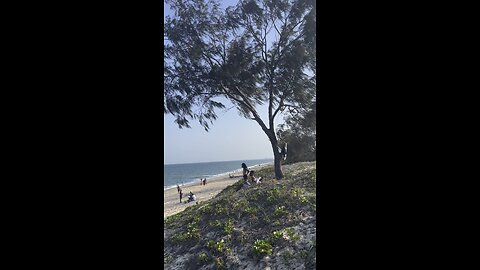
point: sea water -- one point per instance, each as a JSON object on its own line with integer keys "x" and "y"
{"x": 178, "y": 174}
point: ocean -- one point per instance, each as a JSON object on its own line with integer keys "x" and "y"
{"x": 187, "y": 173}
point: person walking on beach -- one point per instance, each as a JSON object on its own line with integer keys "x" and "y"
{"x": 178, "y": 189}
{"x": 181, "y": 195}
{"x": 204, "y": 181}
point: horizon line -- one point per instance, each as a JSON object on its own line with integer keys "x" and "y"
{"x": 215, "y": 161}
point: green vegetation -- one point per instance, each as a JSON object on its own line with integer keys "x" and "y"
{"x": 262, "y": 220}
{"x": 203, "y": 258}
{"x": 167, "y": 259}
{"x": 261, "y": 247}
{"x": 219, "y": 263}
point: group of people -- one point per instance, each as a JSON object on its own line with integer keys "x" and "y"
{"x": 191, "y": 196}
{"x": 249, "y": 177}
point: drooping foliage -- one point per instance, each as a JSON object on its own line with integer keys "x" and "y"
{"x": 256, "y": 52}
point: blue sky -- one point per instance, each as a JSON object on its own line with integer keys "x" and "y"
{"x": 231, "y": 137}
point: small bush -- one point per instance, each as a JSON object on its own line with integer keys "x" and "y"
{"x": 202, "y": 258}
{"x": 167, "y": 259}
{"x": 280, "y": 211}
{"x": 220, "y": 245}
{"x": 215, "y": 223}
{"x": 211, "y": 244}
{"x": 228, "y": 227}
{"x": 277, "y": 235}
{"x": 219, "y": 264}
{"x": 261, "y": 247}
{"x": 217, "y": 246}
{"x": 251, "y": 210}
{"x": 180, "y": 237}
{"x": 192, "y": 231}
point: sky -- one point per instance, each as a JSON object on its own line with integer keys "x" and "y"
{"x": 230, "y": 137}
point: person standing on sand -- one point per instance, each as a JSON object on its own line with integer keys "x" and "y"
{"x": 181, "y": 195}
{"x": 178, "y": 188}
{"x": 204, "y": 181}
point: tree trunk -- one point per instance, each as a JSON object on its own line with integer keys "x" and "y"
{"x": 277, "y": 159}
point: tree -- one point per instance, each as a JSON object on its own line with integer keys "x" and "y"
{"x": 256, "y": 52}
{"x": 299, "y": 132}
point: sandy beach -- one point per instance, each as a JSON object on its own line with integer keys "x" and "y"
{"x": 171, "y": 198}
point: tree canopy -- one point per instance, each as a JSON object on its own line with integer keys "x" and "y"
{"x": 256, "y": 52}
{"x": 299, "y": 132}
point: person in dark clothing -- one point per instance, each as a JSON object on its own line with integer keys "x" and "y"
{"x": 245, "y": 169}
{"x": 191, "y": 197}
{"x": 254, "y": 179}
{"x": 246, "y": 184}
{"x": 204, "y": 181}
{"x": 181, "y": 195}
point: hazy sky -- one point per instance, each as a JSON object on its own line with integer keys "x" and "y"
{"x": 231, "y": 137}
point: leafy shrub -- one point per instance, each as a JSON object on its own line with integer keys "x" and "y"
{"x": 193, "y": 231}
{"x": 217, "y": 246}
{"x": 211, "y": 244}
{"x": 203, "y": 258}
{"x": 261, "y": 247}
{"x": 291, "y": 234}
{"x": 215, "y": 223}
{"x": 219, "y": 264}
{"x": 220, "y": 245}
{"x": 303, "y": 199}
{"x": 167, "y": 259}
{"x": 280, "y": 211}
{"x": 179, "y": 237}
{"x": 251, "y": 210}
{"x": 228, "y": 227}
{"x": 277, "y": 234}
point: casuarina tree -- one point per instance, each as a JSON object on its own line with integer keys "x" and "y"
{"x": 299, "y": 132}
{"x": 257, "y": 52}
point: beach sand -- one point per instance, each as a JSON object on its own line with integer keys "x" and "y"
{"x": 171, "y": 198}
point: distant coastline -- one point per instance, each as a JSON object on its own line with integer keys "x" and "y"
{"x": 201, "y": 162}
